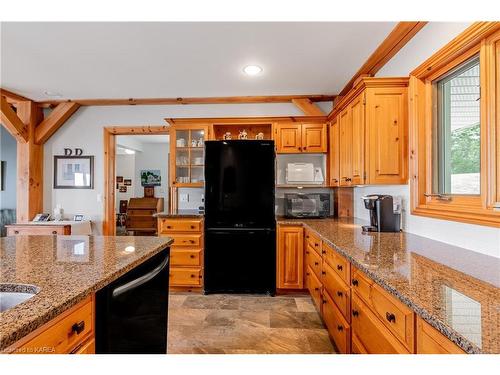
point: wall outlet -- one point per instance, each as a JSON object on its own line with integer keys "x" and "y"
{"x": 183, "y": 197}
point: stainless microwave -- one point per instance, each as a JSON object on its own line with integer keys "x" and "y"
{"x": 312, "y": 205}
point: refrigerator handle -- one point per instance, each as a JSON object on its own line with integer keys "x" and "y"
{"x": 140, "y": 280}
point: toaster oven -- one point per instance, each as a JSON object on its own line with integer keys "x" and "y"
{"x": 312, "y": 205}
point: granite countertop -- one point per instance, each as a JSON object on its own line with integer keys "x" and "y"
{"x": 66, "y": 269}
{"x": 453, "y": 289}
{"x": 180, "y": 214}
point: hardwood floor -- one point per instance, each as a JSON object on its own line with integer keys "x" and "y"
{"x": 245, "y": 324}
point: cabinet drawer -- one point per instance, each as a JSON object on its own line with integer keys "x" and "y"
{"x": 313, "y": 260}
{"x": 314, "y": 286}
{"x": 337, "y": 326}
{"x": 370, "y": 333}
{"x": 175, "y": 225}
{"x": 431, "y": 341}
{"x": 338, "y": 263}
{"x": 313, "y": 240}
{"x": 191, "y": 240}
{"x": 185, "y": 257}
{"x": 356, "y": 346}
{"x": 43, "y": 230}
{"x": 65, "y": 333}
{"x": 394, "y": 314}
{"x": 185, "y": 276}
{"x": 361, "y": 284}
{"x": 340, "y": 293}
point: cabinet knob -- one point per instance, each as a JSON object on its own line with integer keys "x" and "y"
{"x": 316, "y": 244}
{"x": 192, "y": 241}
{"x": 78, "y": 327}
{"x": 307, "y": 273}
{"x": 323, "y": 251}
{"x": 355, "y": 313}
{"x": 324, "y": 301}
{"x": 169, "y": 227}
{"x": 340, "y": 328}
{"x": 192, "y": 226}
{"x": 316, "y": 289}
{"x": 193, "y": 276}
{"x": 54, "y": 232}
{"x": 16, "y": 232}
{"x": 305, "y": 148}
{"x": 191, "y": 256}
{"x": 323, "y": 272}
{"x": 307, "y": 252}
{"x": 340, "y": 294}
{"x": 390, "y": 317}
{"x": 355, "y": 282}
{"x": 339, "y": 267}
{"x": 316, "y": 263}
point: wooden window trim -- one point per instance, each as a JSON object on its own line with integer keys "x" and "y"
{"x": 482, "y": 38}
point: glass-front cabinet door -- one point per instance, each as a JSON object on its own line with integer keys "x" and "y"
{"x": 188, "y": 155}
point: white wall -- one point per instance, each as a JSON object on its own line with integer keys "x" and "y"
{"x": 478, "y": 238}
{"x": 85, "y": 130}
{"x": 125, "y": 167}
{"x": 153, "y": 156}
{"x": 8, "y": 154}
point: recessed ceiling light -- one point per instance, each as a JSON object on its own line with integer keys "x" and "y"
{"x": 52, "y": 94}
{"x": 252, "y": 70}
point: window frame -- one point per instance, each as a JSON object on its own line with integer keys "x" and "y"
{"x": 481, "y": 38}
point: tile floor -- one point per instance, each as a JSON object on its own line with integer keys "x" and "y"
{"x": 239, "y": 324}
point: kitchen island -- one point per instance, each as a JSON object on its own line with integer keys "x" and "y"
{"x": 67, "y": 271}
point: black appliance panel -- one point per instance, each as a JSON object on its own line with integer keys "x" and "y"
{"x": 239, "y": 178}
{"x": 131, "y": 312}
{"x": 240, "y": 261}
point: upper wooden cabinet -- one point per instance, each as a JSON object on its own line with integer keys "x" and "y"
{"x": 373, "y": 134}
{"x": 290, "y": 256}
{"x": 304, "y": 137}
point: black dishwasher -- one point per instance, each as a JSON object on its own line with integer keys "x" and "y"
{"x": 131, "y": 312}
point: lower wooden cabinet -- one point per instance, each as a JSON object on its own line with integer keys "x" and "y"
{"x": 372, "y": 336}
{"x": 431, "y": 341}
{"x": 338, "y": 328}
{"x": 290, "y": 257}
{"x": 186, "y": 252}
{"x": 70, "y": 332}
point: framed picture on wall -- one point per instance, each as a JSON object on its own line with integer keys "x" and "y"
{"x": 119, "y": 179}
{"x": 151, "y": 177}
{"x": 123, "y": 189}
{"x": 73, "y": 172}
{"x": 1, "y": 174}
{"x": 127, "y": 182}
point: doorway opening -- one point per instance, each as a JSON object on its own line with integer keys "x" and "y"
{"x": 8, "y": 180}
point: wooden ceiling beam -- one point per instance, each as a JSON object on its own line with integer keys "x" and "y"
{"x": 192, "y": 100}
{"x": 308, "y": 107}
{"x": 12, "y": 122}
{"x": 12, "y": 97}
{"x": 54, "y": 121}
{"x": 397, "y": 39}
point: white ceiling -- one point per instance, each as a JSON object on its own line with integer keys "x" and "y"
{"x": 141, "y": 60}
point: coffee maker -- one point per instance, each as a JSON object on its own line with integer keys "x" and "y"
{"x": 382, "y": 215}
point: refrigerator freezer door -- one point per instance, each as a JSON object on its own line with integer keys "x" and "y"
{"x": 239, "y": 184}
{"x": 240, "y": 261}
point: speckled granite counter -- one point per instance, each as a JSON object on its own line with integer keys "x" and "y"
{"x": 66, "y": 269}
{"x": 453, "y": 289}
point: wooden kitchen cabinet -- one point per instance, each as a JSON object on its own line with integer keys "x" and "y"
{"x": 373, "y": 132}
{"x": 333, "y": 153}
{"x": 431, "y": 341}
{"x": 301, "y": 138}
{"x": 345, "y": 148}
{"x": 387, "y": 134}
{"x": 290, "y": 257}
{"x": 186, "y": 252}
{"x": 70, "y": 332}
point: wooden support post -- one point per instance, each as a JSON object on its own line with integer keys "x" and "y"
{"x": 109, "y": 227}
{"x": 29, "y": 165}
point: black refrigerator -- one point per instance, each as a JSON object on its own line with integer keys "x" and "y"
{"x": 240, "y": 225}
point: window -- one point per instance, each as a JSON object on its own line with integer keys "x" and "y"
{"x": 454, "y": 120}
{"x": 457, "y": 153}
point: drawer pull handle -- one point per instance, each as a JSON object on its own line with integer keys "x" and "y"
{"x": 340, "y": 328}
{"x": 16, "y": 232}
{"x": 324, "y": 301}
{"x": 355, "y": 313}
{"x": 307, "y": 273}
{"x": 323, "y": 272}
{"x": 355, "y": 282}
{"x": 191, "y": 241}
{"x": 54, "y": 232}
{"x": 169, "y": 227}
{"x": 78, "y": 327}
{"x": 192, "y": 226}
{"x": 307, "y": 237}
{"x": 340, "y": 294}
{"x": 339, "y": 267}
{"x": 316, "y": 244}
{"x": 323, "y": 251}
{"x": 316, "y": 289}
{"x": 316, "y": 263}
{"x": 307, "y": 252}
{"x": 390, "y": 317}
{"x": 193, "y": 276}
{"x": 191, "y": 256}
